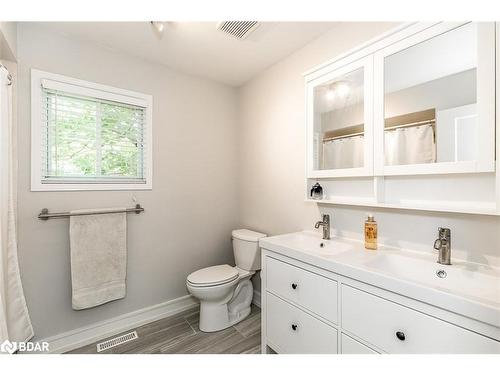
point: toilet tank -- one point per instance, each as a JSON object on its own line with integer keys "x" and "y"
{"x": 246, "y": 249}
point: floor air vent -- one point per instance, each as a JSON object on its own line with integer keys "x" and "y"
{"x": 237, "y": 29}
{"x": 108, "y": 344}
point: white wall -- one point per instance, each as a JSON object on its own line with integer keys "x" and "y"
{"x": 272, "y": 133}
{"x": 272, "y": 162}
{"x": 8, "y": 40}
{"x": 189, "y": 213}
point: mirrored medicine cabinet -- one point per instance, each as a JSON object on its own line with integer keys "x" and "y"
{"x": 411, "y": 110}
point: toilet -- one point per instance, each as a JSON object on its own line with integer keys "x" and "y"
{"x": 226, "y": 292}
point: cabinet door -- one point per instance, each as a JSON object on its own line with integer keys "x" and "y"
{"x": 398, "y": 329}
{"x": 339, "y": 121}
{"x": 307, "y": 289}
{"x": 292, "y": 331}
{"x": 351, "y": 346}
{"x": 434, "y": 102}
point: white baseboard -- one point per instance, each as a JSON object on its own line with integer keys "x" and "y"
{"x": 256, "y": 298}
{"x": 86, "y": 335}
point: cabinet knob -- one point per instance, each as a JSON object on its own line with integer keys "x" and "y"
{"x": 400, "y": 335}
{"x": 294, "y": 327}
{"x": 294, "y": 286}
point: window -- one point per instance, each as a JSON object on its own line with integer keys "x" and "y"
{"x": 87, "y": 136}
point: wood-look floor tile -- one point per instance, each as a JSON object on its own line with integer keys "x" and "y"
{"x": 150, "y": 336}
{"x": 180, "y": 334}
{"x": 87, "y": 349}
{"x": 251, "y": 324}
{"x": 200, "y": 342}
{"x": 194, "y": 320}
{"x": 153, "y": 342}
{"x": 246, "y": 345}
{"x": 254, "y": 350}
{"x": 223, "y": 345}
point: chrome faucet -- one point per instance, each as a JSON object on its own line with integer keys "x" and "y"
{"x": 443, "y": 245}
{"x": 325, "y": 223}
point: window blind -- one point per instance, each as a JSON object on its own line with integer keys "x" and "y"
{"x": 91, "y": 139}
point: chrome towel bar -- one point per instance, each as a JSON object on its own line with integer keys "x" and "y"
{"x": 46, "y": 215}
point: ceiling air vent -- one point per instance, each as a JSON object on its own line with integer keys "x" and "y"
{"x": 237, "y": 29}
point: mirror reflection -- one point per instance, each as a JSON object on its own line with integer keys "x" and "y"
{"x": 430, "y": 100}
{"x": 338, "y": 122}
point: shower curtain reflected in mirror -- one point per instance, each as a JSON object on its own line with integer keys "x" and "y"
{"x": 15, "y": 324}
{"x": 412, "y": 145}
{"x": 345, "y": 152}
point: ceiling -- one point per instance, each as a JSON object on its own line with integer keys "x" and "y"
{"x": 197, "y": 47}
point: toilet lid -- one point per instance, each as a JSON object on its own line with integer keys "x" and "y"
{"x": 213, "y": 275}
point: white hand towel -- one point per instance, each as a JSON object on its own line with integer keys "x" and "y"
{"x": 98, "y": 257}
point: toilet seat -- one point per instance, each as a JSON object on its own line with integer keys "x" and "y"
{"x": 213, "y": 276}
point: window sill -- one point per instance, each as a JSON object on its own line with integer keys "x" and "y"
{"x": 89, "y": 187}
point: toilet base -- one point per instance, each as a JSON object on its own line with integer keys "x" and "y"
{"x": 214, "y": 319}
{"x": 216, "y": 316}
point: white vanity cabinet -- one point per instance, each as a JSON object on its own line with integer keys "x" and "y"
{"x": 410, "y": 112}
{"x": 307, "y": 309}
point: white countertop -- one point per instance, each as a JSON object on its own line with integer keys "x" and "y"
{"x": 469, "y": 289}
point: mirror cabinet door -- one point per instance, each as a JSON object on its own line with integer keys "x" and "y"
{"x": 340, "y": 121}
{"x": 435, "y": 109}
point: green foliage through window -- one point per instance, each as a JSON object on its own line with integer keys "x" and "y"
{"x": 89, "y": 138}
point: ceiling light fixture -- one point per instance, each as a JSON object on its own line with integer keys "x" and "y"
{"x": 342, "y": 89}
{"x": 330, "y": 94}
{"x": 339, "y": 89}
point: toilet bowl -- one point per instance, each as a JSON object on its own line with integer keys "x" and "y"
{"x": 226, "y": 292}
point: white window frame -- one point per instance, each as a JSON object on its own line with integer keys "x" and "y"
{"x": 95, "y": 90}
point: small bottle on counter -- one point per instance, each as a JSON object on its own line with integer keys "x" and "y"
{"x": 370, "y": 233}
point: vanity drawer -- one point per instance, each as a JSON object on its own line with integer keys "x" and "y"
{"x": 351, "y": 346}
{"x": 314, "y": 292}
{"x": 294, "y": 331}
{"x": 378, "y": 321}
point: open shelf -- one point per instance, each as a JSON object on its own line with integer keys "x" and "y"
{"x": 475, "y": 208}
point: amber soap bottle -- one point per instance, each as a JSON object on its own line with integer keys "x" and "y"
{"x": 371, "y": 233}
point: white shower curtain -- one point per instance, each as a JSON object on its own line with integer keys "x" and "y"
{"x": 15, "y": 324}
{"x": 413, "y": 145}
{"x": 344, "y": 153}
